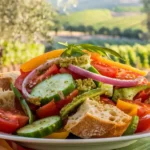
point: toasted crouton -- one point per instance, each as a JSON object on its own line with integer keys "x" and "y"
{"x": 7, "y": 99}
{"x": 6, "y": 78}
{"x": 93, "y": 120}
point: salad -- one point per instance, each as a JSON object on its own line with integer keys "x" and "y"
{"x": 78, "y": 90}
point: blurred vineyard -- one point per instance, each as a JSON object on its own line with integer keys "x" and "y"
{"x": 137, "y": 56}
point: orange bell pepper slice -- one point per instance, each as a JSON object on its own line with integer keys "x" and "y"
{"x": 4, "y": 145}
{"x": 98, "y": 58}
{"x": 62, "y": 134}
{"x": 37, "y": 61}
{"x": 128, "y": 108}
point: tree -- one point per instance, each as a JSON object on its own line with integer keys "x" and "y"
{"x": 138, "y": 34}
{"x": 81, "y": 28}
{"x": 58, "y": 26}
{"x": 146, "y": 4}
{"x": 116, "y": 32}
{"x": 90, "y": 30}
{"x": 25, "y": 19}
{"x": 128, "y": 33}
{"x": 104, "y": 31}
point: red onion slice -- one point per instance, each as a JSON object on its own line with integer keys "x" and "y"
{"x": 104, "y": 79}
{"x": 33, "y": 74}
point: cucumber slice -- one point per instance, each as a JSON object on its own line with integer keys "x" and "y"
{"x": 94, "y": 70}
{"x": 79, "y": 100}
{"x": 54, "y": 88}
{"x": 41, "y": 128}
{"x": 133, "y": 126}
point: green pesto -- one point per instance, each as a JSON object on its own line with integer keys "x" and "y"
{"x": 85, "y": 84}
{"x": 82, "y": 61}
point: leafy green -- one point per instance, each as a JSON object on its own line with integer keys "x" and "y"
{"x": 77, "y": 50}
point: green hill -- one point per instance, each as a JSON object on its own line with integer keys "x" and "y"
{"x": 103, "y": 18}
{"x": 124, "y": 22}
{"x": 87, "y": 17}
{"x": 128, "y": 9}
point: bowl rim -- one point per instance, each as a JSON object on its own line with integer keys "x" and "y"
{"x": 72, "y": 141}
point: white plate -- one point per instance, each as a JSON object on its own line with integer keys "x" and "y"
{"x": 75, "y": 144}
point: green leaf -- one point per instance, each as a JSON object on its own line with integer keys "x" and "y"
{"x": 77, "y": 50}
{"x": 103, "y": 50}
{"x": 64, "y": 44}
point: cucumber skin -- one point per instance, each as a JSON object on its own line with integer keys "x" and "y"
{"x": 23, "y": 103}
{"x": 44, "y": 131}
{"x": 132, "y": 126}
{"x": 78, "y": 101}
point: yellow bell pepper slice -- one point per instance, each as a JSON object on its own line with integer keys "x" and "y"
{"x": 128, "y": 108}
{"x": 4, "y": 145}
{"x": 97, "y": 57}
{"x": 62, "y": 134}
{"x": 37, "y": 61}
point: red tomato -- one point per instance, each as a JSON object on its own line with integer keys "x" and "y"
{"x": 8, "y": 124}
{"x": 19, "y": 80}
{"x": 143, "y": 109}
{"x": 144, "y": 124}
{"x": 49, "y": 109}
{"x": 74, "y": 75}
{"x": 22, "y": 120}
{"x": 106, "y": 70}
{"x": 142, "y": 95}
{"x": 106, "y": 100}
{"x": 60, "y": 104}
{"x": 50, "y": 71}
{"x": 11, "y": 121}
{"x": 128, "y": 75}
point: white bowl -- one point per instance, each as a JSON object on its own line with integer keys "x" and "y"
{"x": 75, "y": 144}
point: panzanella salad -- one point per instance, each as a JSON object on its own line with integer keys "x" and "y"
{"x": 78, "y": 90}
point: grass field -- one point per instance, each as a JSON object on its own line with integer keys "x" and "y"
{"x": 103, "y": 18}
{"x": 87, "y": 17}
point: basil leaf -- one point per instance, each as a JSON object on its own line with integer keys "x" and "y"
{"x": 76, "y": 50}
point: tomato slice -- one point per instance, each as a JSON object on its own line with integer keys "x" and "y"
{"x": 106, "y": 100}
{"x": 8, "y": 124}
{"x": 105, "y": 69}
{"x": 74, "y": 75}
{"x": 22, "y": 120}
{"x": 20, "y": 79}
{"x": 144, "y": 124}
{"x": 143, "y": 109}
{"x": 49, "y": 109}
{"x": 142, "y": 95}
{"x": 60, "y": 104}
{"x": 10, "y": 121}
{"x": 50, "y": 71}
{"x": 53, "y": 108}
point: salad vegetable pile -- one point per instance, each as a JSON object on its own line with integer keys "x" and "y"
{"x": 78, "y": 90}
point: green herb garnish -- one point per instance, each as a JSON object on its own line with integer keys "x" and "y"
{"x": 77, "y": 50}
